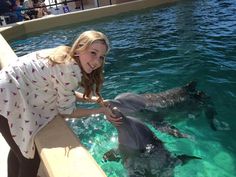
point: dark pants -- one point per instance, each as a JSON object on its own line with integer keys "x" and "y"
{"x": 18, "y": 165}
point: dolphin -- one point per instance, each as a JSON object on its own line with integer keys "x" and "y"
{"x": 142, "y": 153}
{"x": 154, "y": 107}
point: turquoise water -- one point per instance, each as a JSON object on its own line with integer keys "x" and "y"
{"x": 157, "y": 49}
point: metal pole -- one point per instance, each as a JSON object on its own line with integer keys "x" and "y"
{"x": 49, "y": 4}
{"x": 82, "y": 5}
{"x": 98, "y": 3}
{"x": 56, "y": 5}
{"x": 110, "y": 2}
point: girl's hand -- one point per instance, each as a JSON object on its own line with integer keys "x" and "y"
{"x": 116, "y": 121}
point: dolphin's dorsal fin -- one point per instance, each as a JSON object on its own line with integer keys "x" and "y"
{"x": 191, "y": 86}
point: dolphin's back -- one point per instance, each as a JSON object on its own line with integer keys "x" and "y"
{"x": 131, "y": 102}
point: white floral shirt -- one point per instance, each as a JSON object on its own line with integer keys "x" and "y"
{"x": 32, "y": 93}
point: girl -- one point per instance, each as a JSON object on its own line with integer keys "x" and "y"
{"x": 43, "y": 84}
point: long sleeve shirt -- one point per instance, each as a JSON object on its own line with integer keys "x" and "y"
{"x": 33, "y": 92}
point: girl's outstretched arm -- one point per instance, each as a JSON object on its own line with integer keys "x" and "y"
{"x": 82, "y": 112}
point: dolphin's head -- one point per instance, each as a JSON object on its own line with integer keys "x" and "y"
{"x": 132, "y": 133}
{"x": 128, "y": 103}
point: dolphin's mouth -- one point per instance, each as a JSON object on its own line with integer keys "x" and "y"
{"x": 117, "y": 112}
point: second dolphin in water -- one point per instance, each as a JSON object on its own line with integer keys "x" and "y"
{"x": 142, "y": 152}
{"x": 154, "y": 107}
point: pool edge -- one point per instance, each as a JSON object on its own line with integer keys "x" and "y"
{"x": 51, "y": 165}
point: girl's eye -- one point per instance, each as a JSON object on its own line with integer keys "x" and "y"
{"x": 93, "y": 53}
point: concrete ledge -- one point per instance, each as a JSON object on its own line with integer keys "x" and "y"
{"x": 4, "y": 149}
{"x": 21, "y": 28}
{"x": 6, "y": 53}
{"x": 64, "y": 156}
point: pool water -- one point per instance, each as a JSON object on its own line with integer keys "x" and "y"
{"x": 157, "y": 49}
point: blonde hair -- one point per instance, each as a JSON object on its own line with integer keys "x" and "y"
{"x": 90, "y": 82}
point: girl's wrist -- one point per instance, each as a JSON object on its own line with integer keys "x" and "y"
{"x": 96, "y": 99}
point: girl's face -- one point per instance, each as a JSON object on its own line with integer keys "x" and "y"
{"x": 93, "y": 57}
